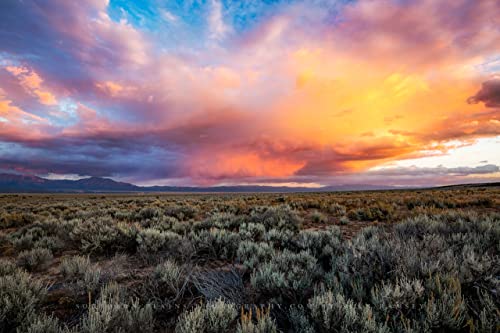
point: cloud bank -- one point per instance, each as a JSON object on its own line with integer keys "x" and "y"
{"x": 206, "y": 93}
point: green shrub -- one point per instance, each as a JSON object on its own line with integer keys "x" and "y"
{"x": 487, "y": 320}
{"x": 36, "y": 259}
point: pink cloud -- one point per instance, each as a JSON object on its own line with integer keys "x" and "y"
{"x": 285, "y": 100}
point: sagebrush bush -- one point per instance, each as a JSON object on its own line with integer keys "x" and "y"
{"x": 252, "y": 231}
{"x": 251, "y": 254}
{"x": 104, "y": 236}
{"x": 344, "y": 220}
{"x": 9, "y": 220}
{"x": 213, "y": 317}
{"x": 263, "y": 323}
{"x": 52, "y": 243}
{"x": 149, "y": 213}
{"x": 436, "y": 270}
{"x": 279, "y": 239}
{"x": 220, "y": 316}
{"x": 322, "y": 244}
{"x": 417, "y": 274}
{"x": 334, "y": 313}
{"x": 42, "y": 324}
{"x": 169, "y": 274}
{"x": 181, "y": 213}
{"x": 36, "y": 259}
{"x": 319, "y": 217}
{"x": 152, "y": 241}
{"x": 26, "y": 237}
{"x": 164, "y": 287}
{"x": 300, "y": 320}
{"x": 74, "y": 266}
{"x": 20, "y": 296}
{"x": 114, "y": 313}
{"x": 377, "y": 212}
{"x": 221, "y": 221}
{"x": 192, "y": 321}
{"x": 7, "y": 267}
{"x": 216, "y": 243}
{"x": 337, "y": 209}
{"x": 81, "y": 273}
{"x": 276, "y": 217}
{"x": 287, "y": 276}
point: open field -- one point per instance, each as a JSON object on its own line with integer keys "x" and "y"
{"x": 388, "y": 261}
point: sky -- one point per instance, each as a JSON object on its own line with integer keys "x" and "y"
{"x": 224, "y": 92}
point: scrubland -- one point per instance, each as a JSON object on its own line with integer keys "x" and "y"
{"x": 388, "y": 261}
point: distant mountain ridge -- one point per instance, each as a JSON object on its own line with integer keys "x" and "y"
{"x": 10, "y": 183}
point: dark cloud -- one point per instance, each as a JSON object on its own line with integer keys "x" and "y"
{"x": 489, "y": 94}
{"x": 123, "y": 163}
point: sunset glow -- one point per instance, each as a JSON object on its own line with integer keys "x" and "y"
{"x": 254, "y": 92}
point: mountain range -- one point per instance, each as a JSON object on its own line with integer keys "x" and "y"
{"x": 11, "y": 183}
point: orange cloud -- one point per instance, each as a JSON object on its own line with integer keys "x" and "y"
{"x": 109, "y": 87}
{"x": 223, "y": 165}
{"x": 13, "y": 114}
{"x": 32, "y": 83}
{"x": 296, "y": 97}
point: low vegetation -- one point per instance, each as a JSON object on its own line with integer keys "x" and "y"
{"x": 389, "y": 261}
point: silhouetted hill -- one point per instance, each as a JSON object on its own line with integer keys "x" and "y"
{"x": 17, "y": 183}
